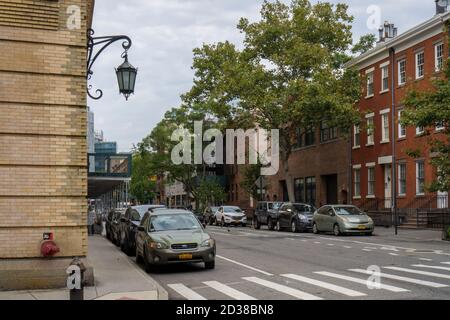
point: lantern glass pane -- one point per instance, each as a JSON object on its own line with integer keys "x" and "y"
{"x": 120, "y": 79}
{"x": 132, "y": 80}
{"x": 126, "y": 80}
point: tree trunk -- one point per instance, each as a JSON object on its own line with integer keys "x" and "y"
{"x": 288, "y": 177}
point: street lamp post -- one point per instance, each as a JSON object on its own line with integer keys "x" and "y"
{"x": 126, "y": 73}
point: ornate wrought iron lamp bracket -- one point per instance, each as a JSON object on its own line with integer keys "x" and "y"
{"x": 92, "y": 56}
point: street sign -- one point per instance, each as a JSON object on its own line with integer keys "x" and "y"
{"x": 261, "y": 182}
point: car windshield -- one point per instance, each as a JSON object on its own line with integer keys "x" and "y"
{"x": 348, "y": 211}
{"x": 168, "y": 222}
{"x": 276, "y": 205}
{"x": 214, "y": 209}
{"x": 304, "y": 208}
{"x": 231, "y": 209}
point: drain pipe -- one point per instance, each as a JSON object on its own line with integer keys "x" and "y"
{"x": 394, "y": 169}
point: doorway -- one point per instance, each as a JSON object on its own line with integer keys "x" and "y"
{"x": 387, "y": 186}
{"x": 331, "y": 188}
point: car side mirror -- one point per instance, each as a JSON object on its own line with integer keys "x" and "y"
{"x": 141, "y": 228}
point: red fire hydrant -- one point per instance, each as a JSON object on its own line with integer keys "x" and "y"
{"x": 49, "y": 248}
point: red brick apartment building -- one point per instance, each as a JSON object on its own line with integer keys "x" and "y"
{"x": 379, "y": 145}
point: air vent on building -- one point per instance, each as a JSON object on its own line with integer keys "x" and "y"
{"x": 29, "y": 14}
{"x": 387, "y": 31}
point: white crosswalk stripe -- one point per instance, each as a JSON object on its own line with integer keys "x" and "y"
{"x": 283, "y": 289}
{"x": 448, "y": 262}
{"x": 329, "y": 286}
{"x": 186, "y": 292}
{"x": 425, "y": 273}
{"x": 231, "y": 292}
{"x": 431, "y": 267}
{"x": 400, "y": 278}
{"x": 360, "y": 281}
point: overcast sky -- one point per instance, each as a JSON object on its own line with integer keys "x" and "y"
{"x": 164, "y": 32}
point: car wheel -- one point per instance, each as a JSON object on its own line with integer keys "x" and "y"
{"x": 147, "y": 266}
{"x": 294, "y": 228}
{"x": 278, "y": 225}
{"x": 270, "y": 224}
{"x": 138, "y": 257}
{"x": 210, "y": 221}
{"x": 336, "y": 230}
{"x": 210, "y": 265}
{"x": 222, "y": 222}
{"x": 256, "y": 224}
{"x": 117, "y": 242}
{"x": 315, "y": 230}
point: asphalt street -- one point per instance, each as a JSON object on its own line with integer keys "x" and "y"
{"x": 272, "y": 265}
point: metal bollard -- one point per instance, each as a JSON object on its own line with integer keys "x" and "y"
{"x": 75, "y": 280}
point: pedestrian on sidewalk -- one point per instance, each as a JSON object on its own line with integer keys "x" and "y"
{"x": 91, "y": 220}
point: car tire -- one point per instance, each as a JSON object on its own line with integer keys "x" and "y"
{"x": 210, "y": 221}
{"x": 210, "y": 265}
{"x": 222, "y": 222}
{"x": 139, "y": 259}
{"x": 294, "y": 228}
{"x": 270, "y": 224}
{"x": 256, "y": 224}
{"x": 315, "y": 229}
{"x": 147, "y": 266}
{"x": 336, "y": 230}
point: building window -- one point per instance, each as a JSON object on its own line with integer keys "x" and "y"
{"x": 356, "y": 136}
{"x": 370, "y": 131}
{"x": 299, "y": 190}
{"x": 439, "y": 56}
{"x": 384, "y": 78}
{"x": 370, "y": 84}
{"x": 309, "y": 137}
{"x": 401, "y": 128}
{"x": 420, "y": 177}
{"x": 420, "y": 130}
{"x": 327, "y": 133}
{"x": 371, "y": 181}
{"x": 298, "y": 138}
{"x": 311, "y": 190}
{"x": 420, "y": 62}
{"x": 402, "y": 72}
{"x": 357, "y": 183}
{"x": 385, "y": 127}
{"x": 402, "y": 179}
{"x": 440, "y": 126}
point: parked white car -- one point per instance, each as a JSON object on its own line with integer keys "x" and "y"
{"x": 230, "y": 215}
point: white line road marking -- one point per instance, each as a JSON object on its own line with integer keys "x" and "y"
{"x": 393, "y": 254}
{"x": 368, "y": 250}
{"x": 446, "y": 262}
{"x": 361, "y": 281}
{"x": 283, "y": 289}
{"x": 399, "y": 278}
{"x": 347, "y": 247}
{"x": 330, "y": 244}
{"x": 425, "y": 273}
{"x": 431, "y": 267}
{"x": 316, "y": 242}
{"x": 186, "y": 292}
{"x": 425, "y": 259}
{"x": 245, "y": 266}
{"x": 229, "y": 291}
{"x": 329, "y": 286}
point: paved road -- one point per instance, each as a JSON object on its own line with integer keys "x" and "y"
{"x": 262, "y": 264}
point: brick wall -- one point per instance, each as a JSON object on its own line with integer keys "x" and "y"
{"x": 43, "y": 124}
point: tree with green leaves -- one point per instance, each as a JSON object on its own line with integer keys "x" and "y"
{"x": 142, "y": 188}
{"x": 288, "y": 75}
{"x": 427, "y": 109}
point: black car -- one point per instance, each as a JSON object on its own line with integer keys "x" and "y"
{"x": 266, "y": 213}
{"x": 113, "y": 225}
{"x": 129, "y": 224}
{"x": 209, "y": 215}
{"x": 295, "y": 216}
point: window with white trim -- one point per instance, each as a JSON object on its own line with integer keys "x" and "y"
{"x": 370, "y": 84}
{"x": 420, "y": 130}
{"x": 401, "y": 128}
{"x": 420, "y": 64}
{"x": 402, "y": 72}
{"x": 370, "y": 181}
{"x": 385, "y": 127}
{"x": 370, "y": 131}
{"x": 440, "y": 126}
{"x": 439, "y": 56}
{"x": 420, "y": 177}
{"x": 402, "y": 179}
{"x": 384, "y": 78}
{"x": 357, "y": 182}
{"x": 356, "y": 136}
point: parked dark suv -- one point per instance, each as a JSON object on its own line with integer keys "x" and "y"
{"x": 266, "y": 213}
{"x": 295, "y": 216}
{"x": 129, "y": 224}
{"x": 112, "y": 225}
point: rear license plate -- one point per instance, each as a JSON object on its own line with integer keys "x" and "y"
{"x": 362, "y": 227}
{"x": 185, "y": 256}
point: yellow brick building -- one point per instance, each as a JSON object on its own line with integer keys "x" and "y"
{"x": 43, "y": 123}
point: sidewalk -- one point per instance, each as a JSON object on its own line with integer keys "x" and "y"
{"x": 116, "y": 278}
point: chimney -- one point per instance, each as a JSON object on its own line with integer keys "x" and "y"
{"x": 387, "y": 31}
{"x": 442, "y": 6}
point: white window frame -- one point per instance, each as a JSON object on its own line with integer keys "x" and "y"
{"x": 400, "y": 127}
{"x": 400, "y": 191}
{"x": 356, "y": 131}
{"x": 370, "y": 75}
{"x": 384, "y": 75}
{"x": 420, "y": 131}
{"x": 385, "y": 130}
{"x": 370, "y": 130}
{"x": 420, "y": 67}
{"x": 440, "y": 127}
{"x": 356, "y": 182}
{"x": 438, "y": 60}
{"x": 418, "y": 191}
{"x": 401, "y": 73}
{"x": 370, "y": 183}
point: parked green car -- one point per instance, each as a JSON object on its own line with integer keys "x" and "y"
{"x": 342, "y": 219}
{"x": 173, "y": 236}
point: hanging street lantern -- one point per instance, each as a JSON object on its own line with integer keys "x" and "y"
{"x": 126, "y": 77}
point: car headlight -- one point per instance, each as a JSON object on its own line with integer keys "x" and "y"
{"x": 302, "y": 217}
{"x": 208, "y": 243}
{"x": 158, "y": 245}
